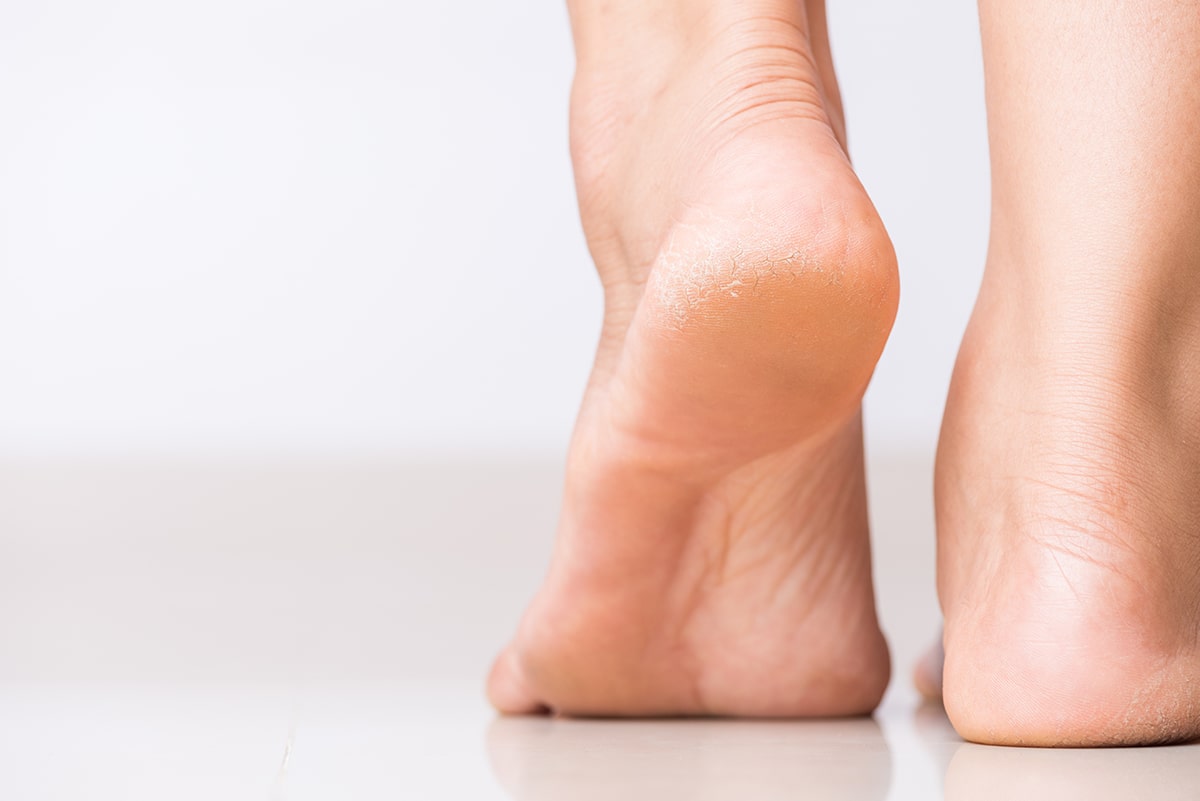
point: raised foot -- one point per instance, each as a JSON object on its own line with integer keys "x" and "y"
{"x": 713, "y": 553}
{"x": 747, "y": 597}
{"x": 712, "y": 556}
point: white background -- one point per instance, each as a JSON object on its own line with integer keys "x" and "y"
{"x": 259, "y": 226}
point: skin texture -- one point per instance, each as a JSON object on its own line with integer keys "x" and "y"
{"x": 712, "y": 556}
{"x": 1069, "y": 461}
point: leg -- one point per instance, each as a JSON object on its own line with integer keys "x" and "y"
{"x": 1069, "y": 463}
{"x": 712, "y": 554}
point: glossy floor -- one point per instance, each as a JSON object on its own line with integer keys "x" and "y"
{"x": 286, "y": 631}
{"x": 438, "y": 741}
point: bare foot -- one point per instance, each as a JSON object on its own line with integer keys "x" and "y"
{"x": 1069, "y": 464}
{"x": 712, "y": 556}
{"x": 1068, "y": 520}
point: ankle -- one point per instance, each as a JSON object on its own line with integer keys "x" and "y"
{"x": 639, "y": 49}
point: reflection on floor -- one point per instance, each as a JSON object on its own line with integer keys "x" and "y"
{"x": 430, "y": 740}
{"x": 539, "y": 760}
{"x": 288, "y": 631}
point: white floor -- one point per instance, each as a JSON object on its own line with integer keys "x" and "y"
{"x": 278, "y": 631}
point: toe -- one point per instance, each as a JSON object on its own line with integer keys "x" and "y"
{"x": 928, "y": 673}
{"x": 507, "y": 690}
